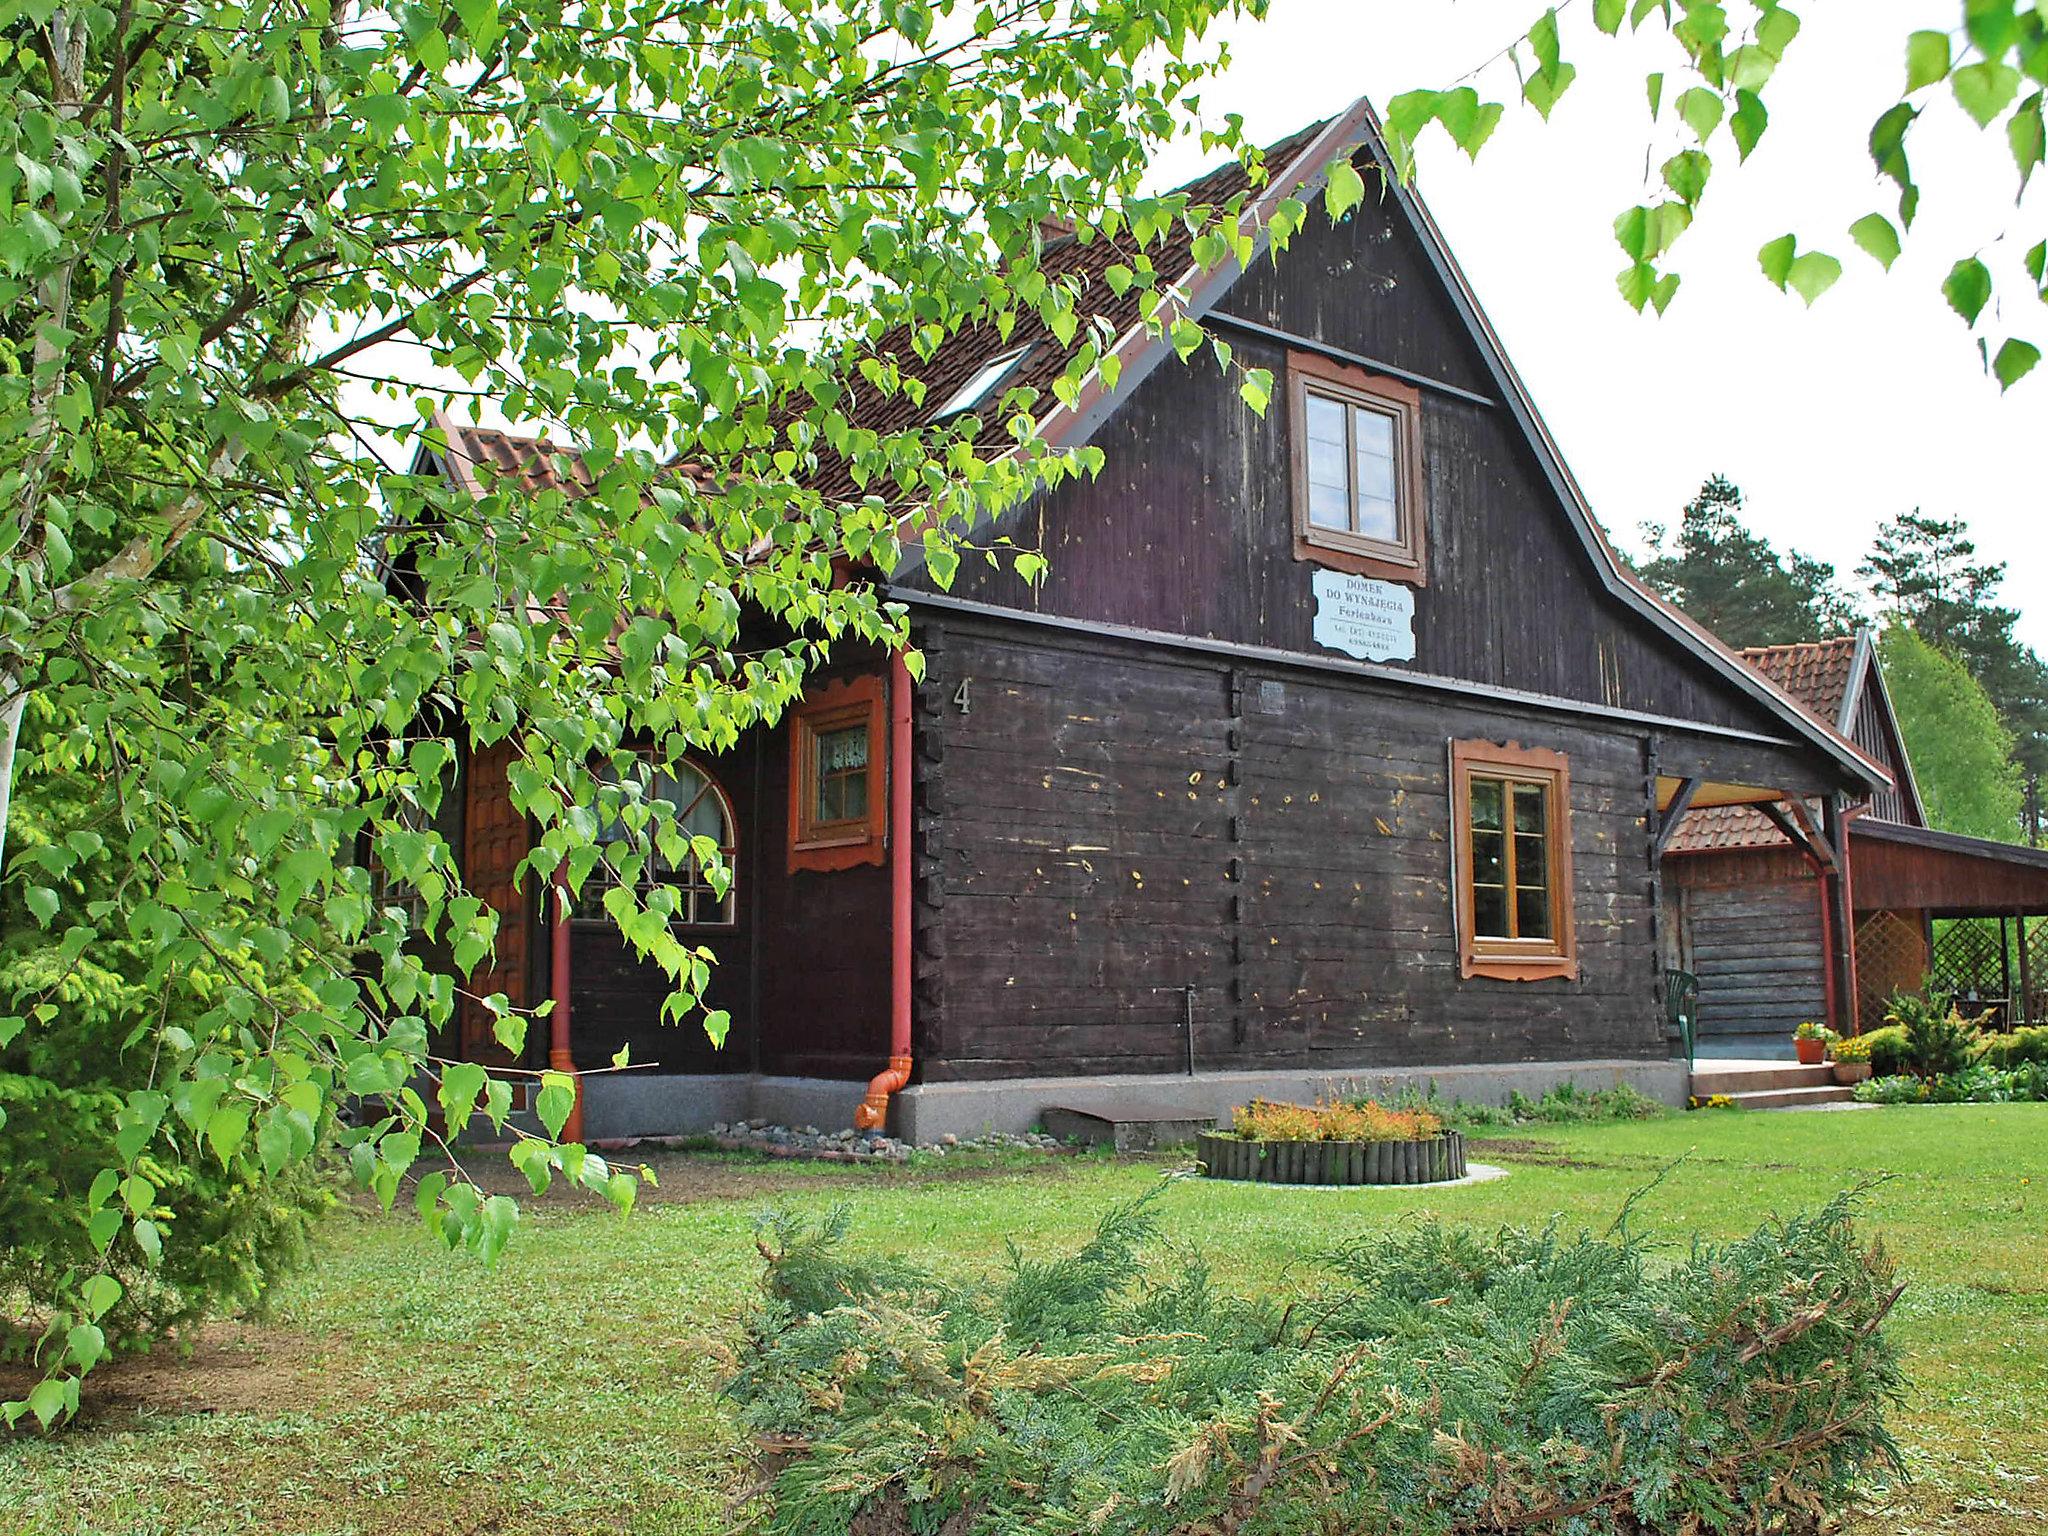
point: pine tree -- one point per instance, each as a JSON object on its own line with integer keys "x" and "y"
{"x": 1732, "y": 581}
{"x": 1924, "y": 573}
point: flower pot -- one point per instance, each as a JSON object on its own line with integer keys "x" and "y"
{"x": 1811, "y": 1053}
{"x": 1847, "y": 1072}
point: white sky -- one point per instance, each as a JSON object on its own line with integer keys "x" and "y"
{"x": 1831, "y": 419}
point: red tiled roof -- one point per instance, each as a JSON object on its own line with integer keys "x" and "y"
{"x": 534, "y": 462}
{"x": 1816, "y": 674}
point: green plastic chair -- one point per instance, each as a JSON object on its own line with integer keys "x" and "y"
{"x": 1682, "y": 1009}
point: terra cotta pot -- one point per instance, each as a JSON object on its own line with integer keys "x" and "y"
{"x": 1811, "y": 1053}
{"x": 1847, "y": 1072}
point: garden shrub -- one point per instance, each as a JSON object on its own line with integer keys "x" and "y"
{"x": 2028, "y": 1043}
{"x": 1977, "y": 1084}
{"x": 1339, "y": 1120}
{"x": 1567, "y": 1103}
{"x": 1939, "y": 1039}
{"x": 1888, "y": 1053}
{"x": 1429, "y": 1382}
{"x": 64, "y": 1085}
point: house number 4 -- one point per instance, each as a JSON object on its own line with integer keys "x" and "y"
{"x": 960, "y": 700}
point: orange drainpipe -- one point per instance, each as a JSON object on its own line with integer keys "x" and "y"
{"x": 873, "y": 1114}
{"x": 559, "y": 1057}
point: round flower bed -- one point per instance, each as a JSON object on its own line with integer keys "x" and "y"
{"x": 1340, "y": 1143}
{"x": 1430, "y": 1160}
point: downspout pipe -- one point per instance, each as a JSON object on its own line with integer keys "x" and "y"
{"x": 560, "y": 1057}
{"x": 873, "y": 1114}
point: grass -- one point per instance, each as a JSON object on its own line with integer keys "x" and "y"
{"x": 396, "y": 1388}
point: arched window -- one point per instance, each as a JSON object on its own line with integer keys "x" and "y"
{"x": 701, "y": 810}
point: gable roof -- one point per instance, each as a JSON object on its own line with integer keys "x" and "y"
{"x": 1828, "y": 678}
{"x": 1302, "y": 161}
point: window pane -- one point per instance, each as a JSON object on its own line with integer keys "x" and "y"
{"x": 1489, "y": 859}
{"x": 1531, "y": 868}
{"x": 842, "y": 749}
{"x": 1375, "y": 466}
{"x": 1326, "y": 462}
{"x": 1529, "y": 809}
{"x": 1532, "y": 913}
{"x": 1490, "y": 912}
{"x": 854, "y": 795}
{"x": 1378, "y": 518}
{"x": 1325, "y": 420}
{"x": 1328, "y": 506}
{"x": 1486, "y": 798}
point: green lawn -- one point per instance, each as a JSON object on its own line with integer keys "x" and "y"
{"x": 397, "y": 1388}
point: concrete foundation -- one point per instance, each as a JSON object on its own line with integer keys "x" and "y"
{"x": 931, "y": 1110}
{"x": 619, "y": 1105}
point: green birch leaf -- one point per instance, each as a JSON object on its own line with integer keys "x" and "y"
{"x": 1608, "y": 14}
{"x": 1542, "y": 91}
{"x": 1813, "y": 274}
{"x": 557, "y": 1097}
{"x": 1968, "y": 288}
{"x": 1775, "y": 30}
{"x": 1701, "y": 110}
{"x": 1749, "y": 122}
{"x": 1875, "y": 234}
{"x": 1776, "y": 259}
{"x": 1543, "y": 42}
{"x": 2028, "y": 135}
{"x": 1686, "y": 175}
{"x": 1927, "y": 59}
{"x": 225, "y": 1130}
{"x": 1344, "y": 190}
{"x": 1654, "y": 84}
{"x": 1985, "y": 89}
{"x": 2015, "y": 360}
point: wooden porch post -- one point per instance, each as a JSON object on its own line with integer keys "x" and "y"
{"x": 2026, "y": 972}
{"x": 1842, "y": 963}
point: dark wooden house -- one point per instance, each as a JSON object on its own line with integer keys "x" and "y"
{"x": 1748, "y": 891}
{"x": 1336, "y": 744}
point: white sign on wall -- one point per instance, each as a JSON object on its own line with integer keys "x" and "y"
{"x": 1372, "y": 620}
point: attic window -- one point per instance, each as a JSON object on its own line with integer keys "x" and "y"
{"x": 982, "y": 385}
{"x": 1358, "y": 501}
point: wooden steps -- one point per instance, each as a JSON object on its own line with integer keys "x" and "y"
{"x": 1769, "y": 1084}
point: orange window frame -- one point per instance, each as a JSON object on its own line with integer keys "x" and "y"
{"x": 1491, "y": 955}
{"x": 1403, "y": 558}
{"x": 814, "y": 844}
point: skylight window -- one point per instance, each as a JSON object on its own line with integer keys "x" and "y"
{"x": 983, "y": 384}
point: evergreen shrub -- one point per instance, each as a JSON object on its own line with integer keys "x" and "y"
{"x": 1428, "y": 1382}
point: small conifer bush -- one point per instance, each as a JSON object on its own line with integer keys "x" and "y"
{"x": 1433, "y": 1382}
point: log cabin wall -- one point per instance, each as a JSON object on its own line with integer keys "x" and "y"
{"x": 1108, "y": 824}
{"x": 1188, "y": 528}
{"x": 1748, "y": 924}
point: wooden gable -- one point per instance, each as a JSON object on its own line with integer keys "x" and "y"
{"x": 1189, "y": 529}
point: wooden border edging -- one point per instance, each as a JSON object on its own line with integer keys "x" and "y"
{"x": 1432, "y": 1160}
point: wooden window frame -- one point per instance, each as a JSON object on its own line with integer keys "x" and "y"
{"x": 688, "y": 879}
{"x": 1404, "y": 559}
{"x": 1490, "y": 956}
{"x": 815, "y": 845}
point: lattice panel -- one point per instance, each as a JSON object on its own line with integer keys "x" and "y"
{"x": 1977, "y": 956}
{"x": 1891, "y": 956}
